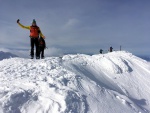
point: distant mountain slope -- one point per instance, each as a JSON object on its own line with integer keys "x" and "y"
{"x": 147, "y": 58}
{"x": 116, "y": 82}
{"x": 4, "y": 55}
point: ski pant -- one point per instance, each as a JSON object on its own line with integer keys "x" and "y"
{"x": 34, "y": 42}
{"x": 41, "y": 51}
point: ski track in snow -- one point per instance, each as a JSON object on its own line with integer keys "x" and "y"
{"x": 116, "y": 82}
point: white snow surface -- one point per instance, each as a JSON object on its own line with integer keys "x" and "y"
{"x": 116, "y": 82}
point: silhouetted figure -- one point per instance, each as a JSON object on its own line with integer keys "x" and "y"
{"x": 42, "y": 46}
{"x": 101, "y": 51}
{"x": 111, "y": 49}
{"x": 120, "y": 48}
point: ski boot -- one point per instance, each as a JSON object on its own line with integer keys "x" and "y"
{"x": 42, "y": 57}
{"x": 37, "y": 57}
{"x": 32, "y": 57}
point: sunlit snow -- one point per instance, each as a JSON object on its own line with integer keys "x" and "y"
{"x": 116, "y": 82}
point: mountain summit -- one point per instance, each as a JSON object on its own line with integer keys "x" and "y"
{"x": 116, "y": 82}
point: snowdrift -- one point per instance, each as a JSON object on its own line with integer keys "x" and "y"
{"x": 116, "y": 82}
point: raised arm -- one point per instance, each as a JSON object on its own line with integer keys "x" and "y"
{"x": 25, "y": 27}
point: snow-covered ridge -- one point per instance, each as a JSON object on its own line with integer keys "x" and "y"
{"x": 116, "y": 82}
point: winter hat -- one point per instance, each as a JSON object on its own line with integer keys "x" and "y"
{"x": 33, "y": 21}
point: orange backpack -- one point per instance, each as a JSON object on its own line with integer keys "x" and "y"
{"x": 34, "y": 31}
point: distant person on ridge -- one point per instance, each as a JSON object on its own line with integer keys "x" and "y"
{"x": 34, "y": 35}
{"x": 101, "y": 51}
{"x": 111, "y": 49}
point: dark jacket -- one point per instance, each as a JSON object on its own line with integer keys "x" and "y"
{"x": 42, "y": 42}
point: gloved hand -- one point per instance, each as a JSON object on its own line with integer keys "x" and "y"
{"x": 18, "y": 21}
{"x": 43, "y": 37}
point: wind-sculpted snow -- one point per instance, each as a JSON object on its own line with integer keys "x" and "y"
{"x": 116, "y": 82}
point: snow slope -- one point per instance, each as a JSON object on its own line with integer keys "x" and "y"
{"x": 116, "y": 82}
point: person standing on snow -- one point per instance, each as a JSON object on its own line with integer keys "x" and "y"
{"x": 111, "y": 49}
{"x": 34, "y": 35}
{"x": 101, "y": 51}
{"x": 42, "y": 46}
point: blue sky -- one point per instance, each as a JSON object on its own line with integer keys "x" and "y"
{"x": 78, "y": 26}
